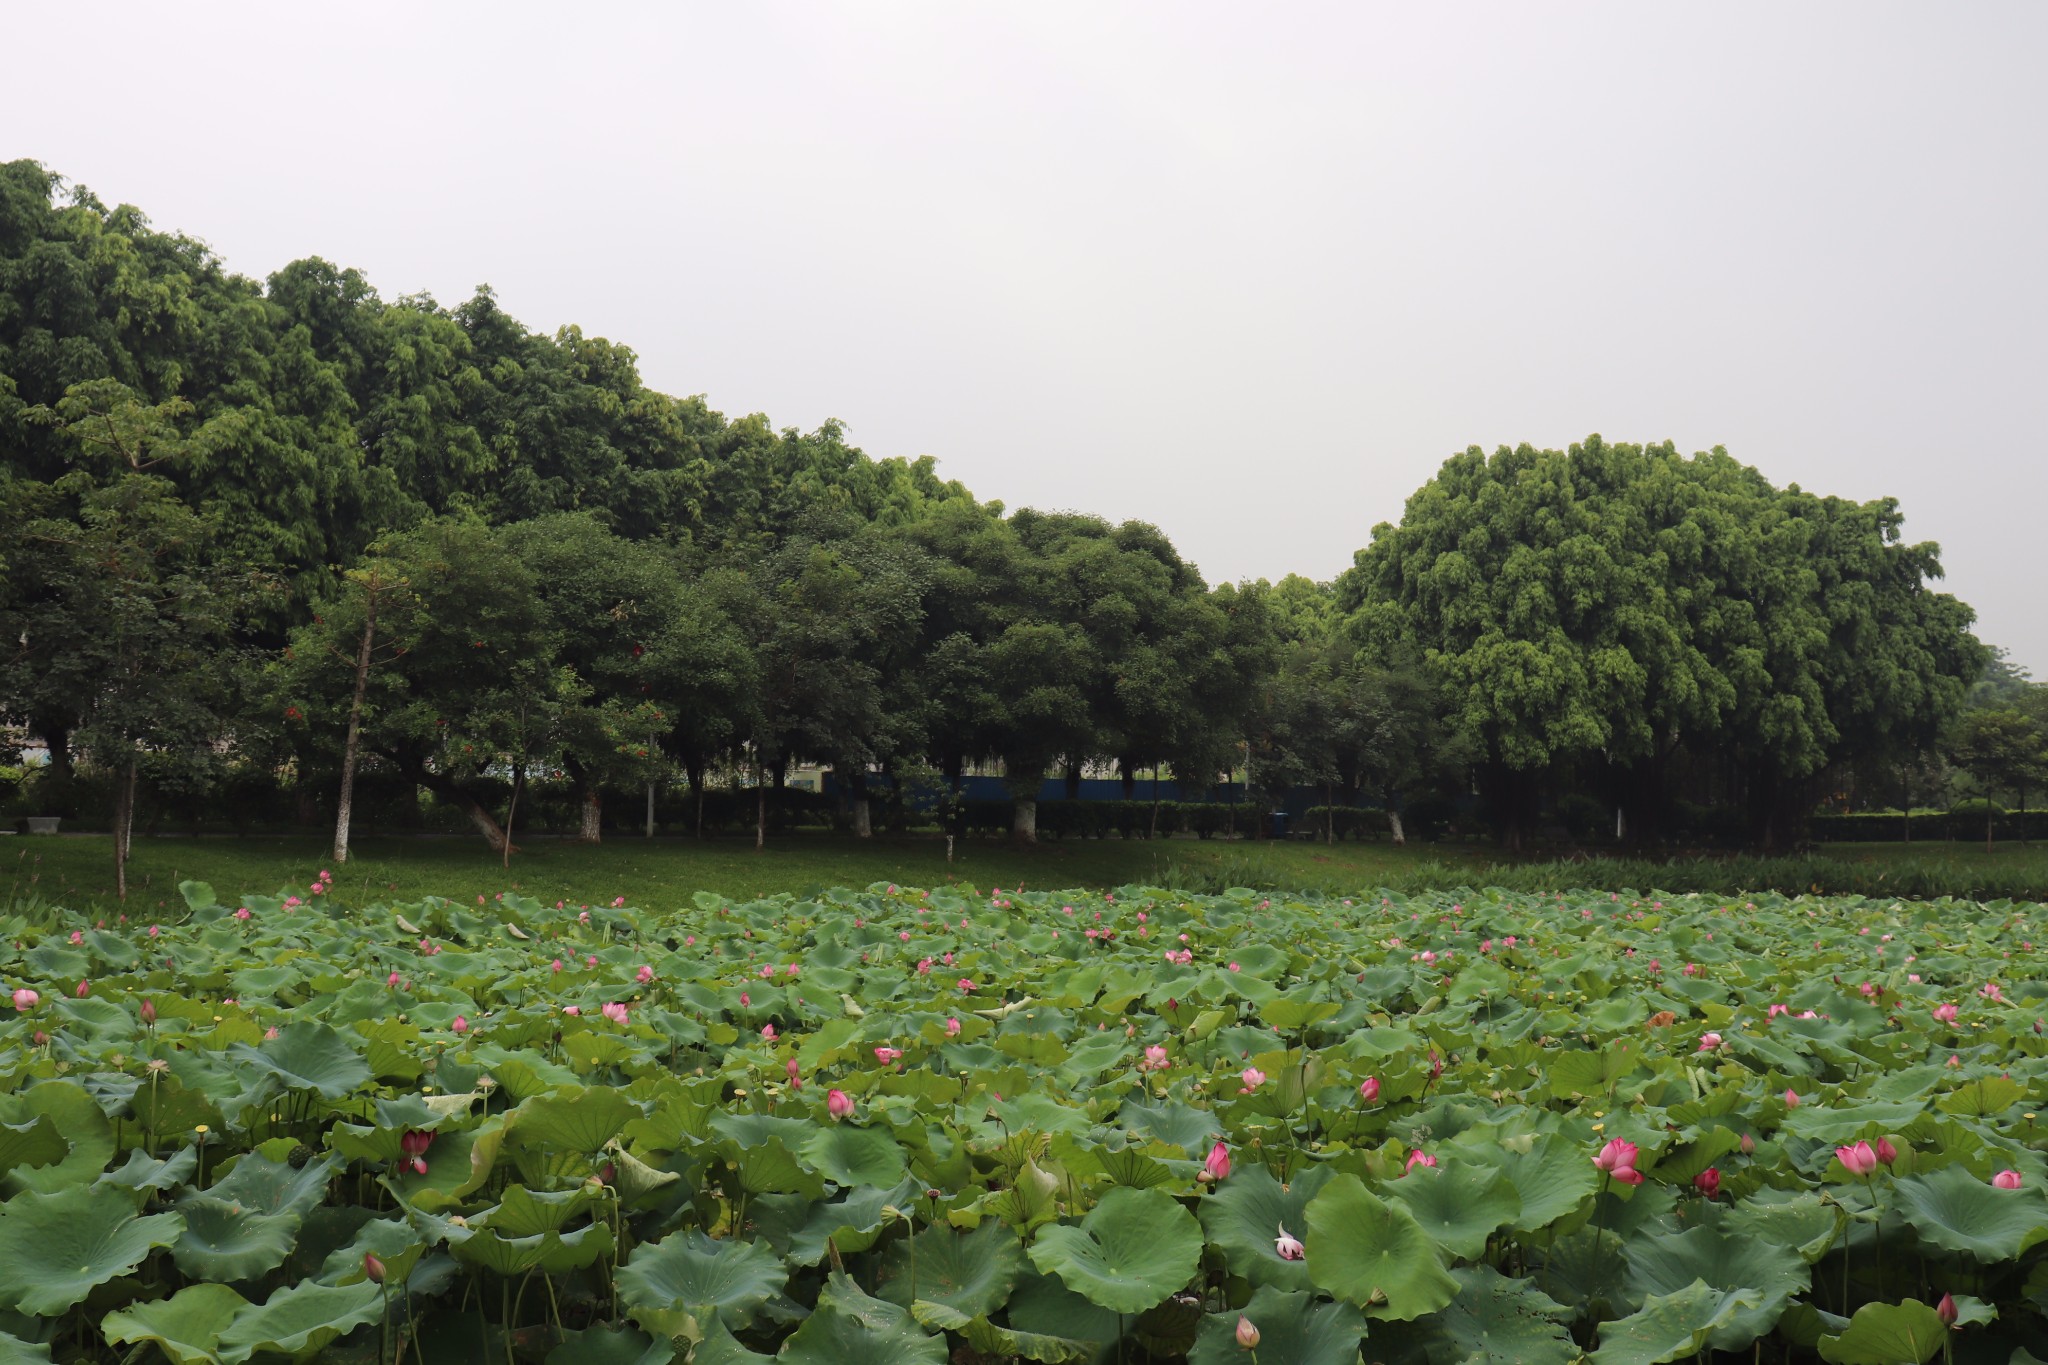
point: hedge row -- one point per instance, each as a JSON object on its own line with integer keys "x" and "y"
{"x": 1962, "y": 825}
{"x": 1128, "y": 819}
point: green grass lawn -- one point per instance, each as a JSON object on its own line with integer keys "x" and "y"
{"x": 77, "y": 870}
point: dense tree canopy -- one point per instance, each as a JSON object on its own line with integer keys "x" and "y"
{"x": 493, "y": 556}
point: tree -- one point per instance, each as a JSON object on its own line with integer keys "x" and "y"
{"x": 2005, "y": 750}
{"x": 1610, "y": 605}
{"x": 124, "y": 622}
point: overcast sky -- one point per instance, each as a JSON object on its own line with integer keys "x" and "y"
{"x": 1250, "y": 272}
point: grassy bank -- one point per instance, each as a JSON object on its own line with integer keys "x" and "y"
{"x": 77, "y": 870}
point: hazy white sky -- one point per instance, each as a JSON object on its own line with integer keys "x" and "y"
{"x": 1248, "y": 272}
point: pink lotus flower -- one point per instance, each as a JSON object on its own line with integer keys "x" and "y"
{"x": 615, "y": 1011}
{"x": 1945, "y": 1013}
{"x": 154, "y": 931}
{"x": 1252, "y": 1077}
{"x": 573, "y": 1011}
{"x": 1858, "y": 1160}
{"x": 838, "y": 1104}
{"x": 1289, "y": 1248}
{"x": 1708, "y": 1182}
{"x": 25, "y": 999}
{"x": 1418, "y": 1158}
{"x": 461, "y": 1025}
{"x": 1748, "y": 1145}
{"x": 888, "y": 1055}
{"x": 1618, "y": 1159}
{"x": 1247, "y": 1334}
{"x": 1791, "y": 1099}
{"x": 644, "y": 975}
{"x": 1369, "y": 1089}
{"x": 2006, "y": 1180}
{"x": 796, "y": 1079}
{"x": 1776, "y": 1010}
{"x": 1709, "y": 1041}
{"x": 924, "y": 967}
{"x": 618, "y": 902}
{"x": 1946, "y": 1310}
{"x": 373, "y": 1269}
{"x": 148, "y": 1014}
{"x": 1155, "y": 1059}
{"x": 952, "y": 1028}
{"x": 84, "y": 989}
{"x": 1217, "y": 1167}
{"x": 966, "y": 985}
{"x": 242, "y": 913}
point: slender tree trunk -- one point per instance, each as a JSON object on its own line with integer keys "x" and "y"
{"x": 1988, "y": 844}
{"x": 1024, "y": 820}
{"x": 1153, "y": 832}
{"x": 1394, "y": 824}
{"x": 344, "y": 804}
{"x": 760, "y": 807}
{"x": 1128, "y": 772}
{"x": 590, "y": 810}
{"x": 1073, "y": 779}
{"x": 451, "y": 791}
{"x": 1329, "y": 815}
{"x": 857, "y": 791}
{"x": 512, "y": 809}
{"x": 124, "y": 827}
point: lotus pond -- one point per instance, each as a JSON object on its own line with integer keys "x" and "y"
{"x": 897, "y": 1126}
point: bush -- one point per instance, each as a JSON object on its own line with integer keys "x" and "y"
{"x": 1964, "y": 823}
{"x": 1350, "y": 822}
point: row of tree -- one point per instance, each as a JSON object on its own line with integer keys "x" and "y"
{"x": 296, "y": 525}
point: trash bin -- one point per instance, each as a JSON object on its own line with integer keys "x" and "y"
{"x": 1278, "y": 820}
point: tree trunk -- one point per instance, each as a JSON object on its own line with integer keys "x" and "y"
{"x": 511, "y": 810}
{"x": 1024, "y": 820}
{"x": 1153, "y": 831}
{"x": 1073, "y": 779}
{"x": 857, "y": 791}
{"x": 1329, "y": 816}
{"x": 124, "y": 827}
{"x": 344, "y": 804}
{"x": 451, "y": 791}
{"x": 1126, "y": 769}
{"x": 1394, "y": 824}
{"x": 760, "y": 808}
{"x": 1988, "y": 844}
{"x": 590, "y": 813}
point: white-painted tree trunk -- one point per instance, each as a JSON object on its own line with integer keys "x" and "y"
{"x": 1024, "y": 824}
{"x": 1394, "y": 824}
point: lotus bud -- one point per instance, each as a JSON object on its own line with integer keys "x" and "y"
{"x": 1748, "y": 1145}
{"x": 1369, "y": 1089}
{"x": 148, "y": 1013}
{"x": 1247, "y": 1334}
{"x": 1946, "y": 1310}
{"x": 2006, "y": 1180}
{"x": 838, "y": 1104}
{"x": 1217, "y": 1167}
{"x": 373, "y": 1269}
{"x": 1886, "y": 1152}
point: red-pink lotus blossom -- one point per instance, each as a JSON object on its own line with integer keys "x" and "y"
{"x": 2006, "y": 1180}
{"x": 1945, "y": 1013}
{"x": 888, "y": 1055}
{"x": 838, "y": 1104}
{"x": 1369, "y": 1089}
{"x": 1946, "y": 1310}
{"x": 1859, "y": 1159}
{"x": 1252, "y": 1077}
{"x": 1217, "y": 1167}
{"x": 1418, "y": 1158}
{"x": 1886, "y": 1152}
{"x": 1708, "y": 1182}
{"x": 796, "y": 1080}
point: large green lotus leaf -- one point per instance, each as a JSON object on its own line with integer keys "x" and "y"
{"x": 572, "y": 1120}
{"x": 1047, "y": 1322}
{"x": 1458, "y": 1206}
{"x": 1845, "y": 1123}
{"x": 275, "y": 1186}
{"x": 1984, "y": 1095}
{"x": 458, "y": 1164}
{"x": 1908, "y": 1333}
{"x": 15, "y": 1351}
{"x": 308, "y": 1056}
{"x": 79, "y": 1121}
{"x": 562, "y": 1252}
{"x": 850, "y": 1328}
{"x": 1552, "y": 1176}
{"x": 226, "y": 1241}
{"x": 619, "y": 1346}
{"x": 1296, "y": 1328}
{"x": 396, "y": 1242}
{"x": 1374, "y": 1254}
{"x": 1959, "y": 1212}
{"x": 300, "y": 1320}
{"x": 1679, "y": 1165}
{"x": 1291, "y": 1014}
{"x": 58, "y": 1247}
{"x": 141, "y": 1171}
{"x": 1666, "y": 1264}
{"x": 501, "y": 1255}
{"x": 1670, "y": 1325}
{"x": 690, "y": 1273}
{"x": 1801, "y": 1220}
{"x": 184, "y": 1327}
{"x": 1244, "y": 1216}
{"x": 946, "y": 1278}
{"x": 853, "y": 1222}
{"x": 1130, "y": 1252}
{"x": 849, "y": 1156}
{"x": 1169, "y": 1121}
{"x": 720, "y": 1347}
{"x": 1494, "y": 1320}
{"x": 523, "y": 1213}
{"x": 33, "y": 1142}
